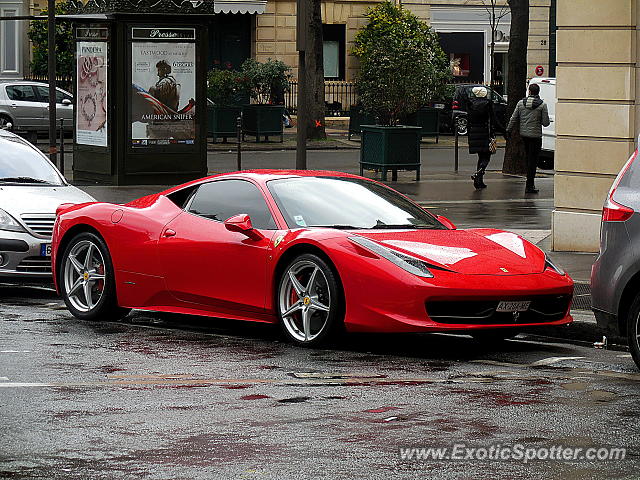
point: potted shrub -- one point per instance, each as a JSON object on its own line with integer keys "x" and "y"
{"x": 267, "y": 82}
{"x": 402, "y": 67}
{"x": 226, "y": 91}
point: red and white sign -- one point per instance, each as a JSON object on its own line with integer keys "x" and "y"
{"x": 539, "y": 70}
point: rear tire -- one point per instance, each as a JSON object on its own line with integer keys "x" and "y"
{"x": 87, "y": 280}
{"x": 4, "y": 119}
{"x": 633, "y": 330}
{"x": 461, "y": 125}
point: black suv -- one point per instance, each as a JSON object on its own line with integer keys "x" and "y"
{"x": 455, "y": 115}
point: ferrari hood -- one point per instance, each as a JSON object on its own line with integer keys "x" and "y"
{"x": 20, "y": 199}
{"x": 471, "y": 252}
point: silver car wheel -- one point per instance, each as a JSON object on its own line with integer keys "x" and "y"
{"x": 305, "y": 300}
{"x": 84, "y": 276}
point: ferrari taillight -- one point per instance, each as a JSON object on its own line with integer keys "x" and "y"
{"x": 455, "y": 105}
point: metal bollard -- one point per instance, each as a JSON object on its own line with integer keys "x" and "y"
{"x": 62, "y": 146}
{"x": 239, "y": 140}
{"x": 455, "y": 129}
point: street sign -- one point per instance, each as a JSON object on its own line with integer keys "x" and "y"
{"x": 539, "y": 70}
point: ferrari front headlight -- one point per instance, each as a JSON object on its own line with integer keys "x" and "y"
{"x": 406, "y": 262}
{"x": 7, "y": 222}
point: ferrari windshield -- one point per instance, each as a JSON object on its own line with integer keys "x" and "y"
{"x": 22, "y": 164}
{"x": 339, "y": 202}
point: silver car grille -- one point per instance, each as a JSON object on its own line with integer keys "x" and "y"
{"x": 40, "y": 223}
{"x": 35, "y": 265}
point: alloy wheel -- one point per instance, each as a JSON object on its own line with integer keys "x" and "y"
{"x": 84, "y": 275}
{"x": 305, "y": 301}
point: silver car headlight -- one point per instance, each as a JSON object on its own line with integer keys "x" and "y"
{"x": 7, "y": 222}
{"x": 408, "y": 263}
{"x": 549, "y": 264}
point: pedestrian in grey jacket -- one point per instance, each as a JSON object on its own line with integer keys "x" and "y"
{"x": 531, "y": 114}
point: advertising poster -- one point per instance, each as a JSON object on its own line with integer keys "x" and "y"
{"x": 91, "y": 101}
{"x": 163, "y": 93}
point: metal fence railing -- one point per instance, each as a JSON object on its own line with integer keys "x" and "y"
{"x": 338, "y": 97}
{"x": 63, "y": 81}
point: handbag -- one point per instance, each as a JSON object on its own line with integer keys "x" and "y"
{"x": 493, "y": 145}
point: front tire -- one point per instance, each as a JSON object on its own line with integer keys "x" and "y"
{"x": 633, "y": 330}
{"x": 309, "y": 301}
{"x": 87, "y": 280}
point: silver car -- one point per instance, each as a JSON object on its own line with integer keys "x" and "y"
{"x": 615, "y": 275}
{"x": 26, "y": 106}
{"x": 31, "y": 189}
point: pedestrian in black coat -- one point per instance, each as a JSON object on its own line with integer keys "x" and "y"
{"x": 482, "y": 126}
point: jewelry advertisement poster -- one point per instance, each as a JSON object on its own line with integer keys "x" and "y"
{"x": 91, "y": 111}
{"x": 163, "y": 92}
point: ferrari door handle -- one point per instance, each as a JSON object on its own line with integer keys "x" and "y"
{"x": 169, "y": 233}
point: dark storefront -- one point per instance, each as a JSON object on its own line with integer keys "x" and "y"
{"x": 229, "y": 40}
{"x": 466, "y": 52}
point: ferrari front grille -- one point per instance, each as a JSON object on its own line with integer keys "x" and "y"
{"x": 39, "y": 223}
{"x": 543, "y": 308}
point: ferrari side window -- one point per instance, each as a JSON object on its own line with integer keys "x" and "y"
{"x": 220, "y": 200}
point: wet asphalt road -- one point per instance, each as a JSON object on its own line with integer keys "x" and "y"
{"x": 168, "y": 397}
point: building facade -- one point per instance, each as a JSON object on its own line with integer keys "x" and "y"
{"x": 463, "y": 24}
{"x": 597, "y": 112}
{"x": 14, "y": 45}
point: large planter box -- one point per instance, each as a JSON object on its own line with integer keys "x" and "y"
{"x": 262, "y": 121}
{"x": 390, "y": 148}
{"x": 357, "y": 118}
{"x": 428, "y": 119}
{"x": 222, "y": 121}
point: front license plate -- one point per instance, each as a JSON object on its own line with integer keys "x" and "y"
{"x": 513, "y": 306}
{"x": 45, "y": 249}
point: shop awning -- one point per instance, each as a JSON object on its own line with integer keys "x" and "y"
{"x": 240, "y": 6}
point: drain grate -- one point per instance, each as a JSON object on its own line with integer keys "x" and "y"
{"x": 581, "y": 297}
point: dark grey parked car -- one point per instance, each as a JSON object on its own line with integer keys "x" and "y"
{"x": 615, "y": 276}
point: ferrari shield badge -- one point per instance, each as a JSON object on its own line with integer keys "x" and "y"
{"x": 277, "y": 241}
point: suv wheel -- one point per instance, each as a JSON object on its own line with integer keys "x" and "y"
{"x": 633, "y": 330}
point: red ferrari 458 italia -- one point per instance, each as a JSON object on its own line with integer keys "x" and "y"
{"x": 313, "y": 251}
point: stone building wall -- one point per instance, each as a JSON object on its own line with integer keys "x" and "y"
{"x": 597, "y": 112}
{"x": 276, "y": 28}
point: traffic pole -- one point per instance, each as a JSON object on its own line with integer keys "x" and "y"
{"x": 51, "y": 64}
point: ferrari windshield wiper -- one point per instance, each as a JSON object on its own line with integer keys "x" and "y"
{"x": 339, "y": 226}
{"x": 22, "y": 180}
{"x": 399, "y": 226}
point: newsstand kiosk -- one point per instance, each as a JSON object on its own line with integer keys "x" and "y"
{"x": 140, "y": 91}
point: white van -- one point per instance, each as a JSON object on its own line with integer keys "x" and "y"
{"x": 548, "y": 94}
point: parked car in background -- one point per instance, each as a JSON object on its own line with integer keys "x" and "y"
{"x": 31, "y": 189}
{"x": 25, "y": 105}
{"x": 615, "y": 275}
{"x": 548, "y": 94}
{"x": 454, "y": 115}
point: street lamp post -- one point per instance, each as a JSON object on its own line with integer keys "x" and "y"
{"x": 301, "y": 46}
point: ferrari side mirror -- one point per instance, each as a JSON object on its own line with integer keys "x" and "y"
{"x": 241, "y": 223}
{"x": 446, "y": 222}
{"x": 66, "y": 101}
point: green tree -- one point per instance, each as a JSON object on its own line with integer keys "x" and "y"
{"x": 65, "y": 48}
{"x": 402, "y": 66}
{"x": 268, "y": 81}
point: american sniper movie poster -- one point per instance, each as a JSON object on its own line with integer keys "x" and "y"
{"x": 163, "y": 92}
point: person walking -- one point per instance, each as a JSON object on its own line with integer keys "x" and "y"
{"x": 532, "y": 114}
{"x": 482, "y": 126}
